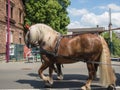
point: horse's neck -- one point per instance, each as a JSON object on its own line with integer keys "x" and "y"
{"x": 50, "y": 39}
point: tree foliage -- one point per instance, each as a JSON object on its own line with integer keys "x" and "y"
{"x": 50, "y": 12}
{"x": 115, "y": 44}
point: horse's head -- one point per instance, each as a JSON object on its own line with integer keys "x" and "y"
{"x": 30, "y": 36}
{"x": 40, "y": 35}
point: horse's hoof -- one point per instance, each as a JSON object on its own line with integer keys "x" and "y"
{"x": 85, "y": 88}
{"x": 60, "y": 77}
{"x": 48, "y": 85}
{"x": 51, "y": 82}
{"x": 111, "y": 87}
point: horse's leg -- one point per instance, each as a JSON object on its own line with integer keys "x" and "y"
{"x": 59, "y": 72}
{"x": 91, "y": 71}
{"x": 51, "y": 68}
{"x": 40, "y": 71}
{"x": 96, "y": 68}
{"x": 54, "y": 68}
{"x": 49, "y": 81}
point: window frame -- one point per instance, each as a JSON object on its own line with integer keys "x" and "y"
{"x": 12, "y": 5}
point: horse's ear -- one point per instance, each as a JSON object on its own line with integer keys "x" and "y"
{"x": 27, "y": 26}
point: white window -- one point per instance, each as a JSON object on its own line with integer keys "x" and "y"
{"x": 11, "y": 37}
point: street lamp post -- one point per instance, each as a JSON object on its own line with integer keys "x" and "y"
{"x": 8, "y": 34}
{"x": 110, "y": 31}
{"x": 110, "y": 25}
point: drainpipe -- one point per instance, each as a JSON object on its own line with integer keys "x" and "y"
{"x": 8, "y": 34}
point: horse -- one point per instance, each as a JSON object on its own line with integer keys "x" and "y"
{"x": 64, "y": 50}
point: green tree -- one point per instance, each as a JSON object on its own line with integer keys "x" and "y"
{"x": 50, "y": 12}
{"x": 115, "y": 43}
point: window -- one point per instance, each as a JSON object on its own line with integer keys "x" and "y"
{"x": 11, "y": 37}
{"x": 20, "y": 38}
{"x": 12, "y": 21}
{"x": 20, "y": 35}
{"x": 20, "y": 15}
{"x": 11, "y": 9}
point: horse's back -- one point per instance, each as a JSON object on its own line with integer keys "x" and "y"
{"x": 85, "y": 45}
{"x": 90, "y": 42}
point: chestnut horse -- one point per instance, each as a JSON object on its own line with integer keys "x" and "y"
{"x": 88, "y": 47}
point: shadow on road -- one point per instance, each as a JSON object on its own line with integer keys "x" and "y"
{"x": 69, "y": 81}
{"x": 34, "y": 83}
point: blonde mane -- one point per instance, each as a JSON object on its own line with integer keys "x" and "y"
{"x": 43, "y": 32}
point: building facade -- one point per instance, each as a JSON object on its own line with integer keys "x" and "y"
{"x": 85, "y": 30}
{"x": 16, "y": 25}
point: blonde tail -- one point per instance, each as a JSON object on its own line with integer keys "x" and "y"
{"x": 107, "y": 76}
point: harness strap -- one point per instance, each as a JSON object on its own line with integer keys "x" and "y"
{"x": 57, "y": 44}
{"x": 46, "y": 52}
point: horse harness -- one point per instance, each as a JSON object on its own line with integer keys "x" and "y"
{"x": 55, "y": 55}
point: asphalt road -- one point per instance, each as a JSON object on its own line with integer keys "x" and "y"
{"x": 23, "y": 75}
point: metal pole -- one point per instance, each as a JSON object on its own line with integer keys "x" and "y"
{"x": 8, "y": 34}
{"x": 110, "y": 31}
{"x": 110, "y": 25}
